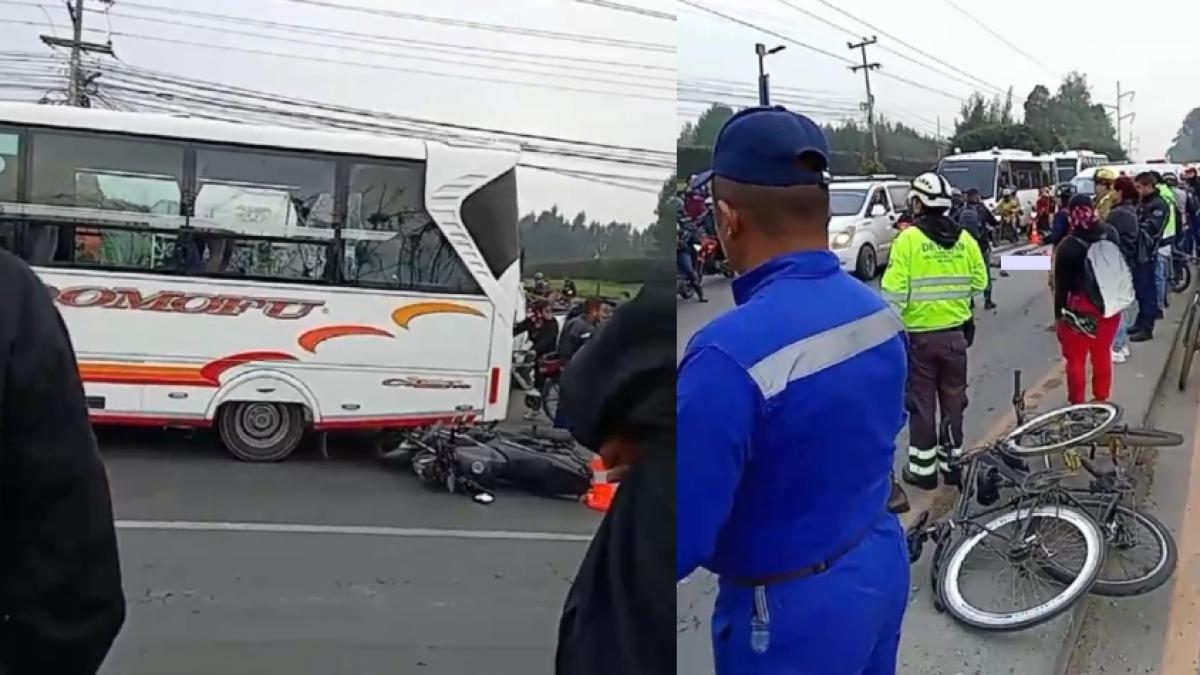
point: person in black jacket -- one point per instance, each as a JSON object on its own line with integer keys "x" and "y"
{"x": 1124, "y": 218}
{"x": 1152, "y": 220}
{"x": 61, "y": 602}
{"x": 619, "y": 615}
{"x": 541, "y": 328}
{"x": 1083, "y": 330}
{"x": 976, "y": 218}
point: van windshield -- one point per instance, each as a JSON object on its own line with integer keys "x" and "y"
{"x": 846, "y": 202}
{"x": 965, "y": 174}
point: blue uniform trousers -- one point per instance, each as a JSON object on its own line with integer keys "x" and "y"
{"x": 845, "y": 621}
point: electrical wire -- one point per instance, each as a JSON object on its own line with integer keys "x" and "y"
{"x": 376, "y": 66}
{"x": 884, "y": 47}
{"x": 393, "y": 40}
{"x": 994, "y": 34}
{"x": 500, "y": 28}
{"x": 629, "y": 8}
{"x": 908, "y": 45}
{"x": 818, "y": 50}
{"x": 425, "y": 58}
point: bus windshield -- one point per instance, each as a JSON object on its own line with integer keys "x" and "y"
{"x": 965, "y": 174}
{"x": 1066, "y": 168}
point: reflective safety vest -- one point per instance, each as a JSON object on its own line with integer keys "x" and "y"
{"x": 1105, "y": 203}
{"x": 1168, "y": 196}
{"x": 931, "y": 286}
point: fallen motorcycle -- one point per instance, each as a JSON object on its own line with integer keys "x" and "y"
{"x": 475, "y": 461}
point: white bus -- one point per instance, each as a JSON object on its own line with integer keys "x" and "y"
{"x": 1068, "y": 164}
{"x": 264, "y": 280}
{"x": 990, "y": 171}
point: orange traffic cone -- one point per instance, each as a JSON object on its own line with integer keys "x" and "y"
{"x": 1035, "y": 236}
{"x": 600, "y": 496}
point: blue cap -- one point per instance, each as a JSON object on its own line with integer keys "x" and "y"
{"x": 760, "y": 146}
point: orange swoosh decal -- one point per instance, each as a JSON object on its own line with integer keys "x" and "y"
{"x": 310, "y": 339}
{"x": 405, "y": 314}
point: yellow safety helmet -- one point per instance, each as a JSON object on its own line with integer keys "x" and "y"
{"x": 1105, "y": 174}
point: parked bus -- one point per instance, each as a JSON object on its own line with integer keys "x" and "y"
{"x": 1068, "y": 164}
{"x": 267, "y": 280}
{"x": 990, "y": 171}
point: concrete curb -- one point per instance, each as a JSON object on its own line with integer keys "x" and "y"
{"x": 1079, "y": 612}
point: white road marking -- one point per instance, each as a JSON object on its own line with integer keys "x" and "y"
{"x": 293, "y": 528}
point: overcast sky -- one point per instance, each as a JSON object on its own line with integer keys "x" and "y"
{"x": 635, "y": 109}
{"x": 1145, "y": 47}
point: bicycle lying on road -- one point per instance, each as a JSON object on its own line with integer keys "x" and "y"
{"x": 1191, "y": 327}
{"x": 1056, "y": 543}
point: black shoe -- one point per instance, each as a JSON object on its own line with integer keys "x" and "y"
{"x": 1158, "y": 316}
{"x": 701, "y": 298}
{"x": 1141, "y": 335}
{"x": 953, "y": 477}
{"x": 989, "y": 305}
{"x": 898, "y": 501}
{"x": 929, "y": 482}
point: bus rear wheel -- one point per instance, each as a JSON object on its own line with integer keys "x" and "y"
{"x": 254, "y": 431}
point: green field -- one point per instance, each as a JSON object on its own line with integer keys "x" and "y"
{"x": 586, "y": 287}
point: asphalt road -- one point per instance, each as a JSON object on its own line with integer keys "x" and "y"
{"x": 1012, "y": 337}
{"x": 442, "y": 586}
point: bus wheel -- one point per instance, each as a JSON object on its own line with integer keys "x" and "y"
{"x": 260, "y": 432}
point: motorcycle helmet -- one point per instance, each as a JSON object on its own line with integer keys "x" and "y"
{"x": 1066, "y": 191}
{"x": 932, "y": 190}
{"x": 1104, "y": 174}
{"x": 1171, "y": 179}
{"x": 539, "y": 277}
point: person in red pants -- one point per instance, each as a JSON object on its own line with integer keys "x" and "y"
{"x": 1083, "y": 330}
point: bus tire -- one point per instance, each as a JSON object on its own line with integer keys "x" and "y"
{"x": 255, "y": 431}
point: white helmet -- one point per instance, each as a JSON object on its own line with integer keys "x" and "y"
{"x": 932, "y": 190}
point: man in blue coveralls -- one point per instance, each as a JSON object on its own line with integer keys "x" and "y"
{"x": 788, "y": 408}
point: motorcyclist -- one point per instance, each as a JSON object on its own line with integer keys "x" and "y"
{"x": 542, "y": 329}
{"x": 1044, "y": 209}
{"x": 569, "y": 291}
{"x": 1106, "y": 197}
{"x": 686, "y": 241}
{"x": 540, "y": 287}
{"x": 1009, "y": 209}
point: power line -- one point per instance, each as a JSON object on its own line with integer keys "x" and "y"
{"x": 885, "y": 48}
{"x": 191, "y": 84}
{"x": 380, "y": 52}
{"x": 994, "y": 34}
{"x": 818, "y": 50}
{"x": 629, "y": 8}
{"x": 374, "y": 66}
{"x": 500, "y": 28}
{"x": 446, "y": 47}
{"x": 918, "y": 50}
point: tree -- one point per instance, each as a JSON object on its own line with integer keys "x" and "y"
{"x": 1186, "y": 147}
{"x": 662, "y": 232}
{"x": 708, "y": 125}
{"x": 550, "y": 237}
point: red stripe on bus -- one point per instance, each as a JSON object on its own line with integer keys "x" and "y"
{"x": 335, "y": 424}
{"x": 147, "y": 420}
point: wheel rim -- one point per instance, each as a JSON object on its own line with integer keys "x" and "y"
{"x": 1062, "y": 428}
{"x": 1029, "y": 567}
{"x": 1121, "y": 533}
{"x": 869, "y": 262}
{"x": 261, "y": 425}
{"x": 551, "y": 401}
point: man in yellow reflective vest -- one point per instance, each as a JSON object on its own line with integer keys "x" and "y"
{"x": 935, "y": 270}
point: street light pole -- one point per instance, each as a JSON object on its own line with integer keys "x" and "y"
{"x": 764, "y": 93}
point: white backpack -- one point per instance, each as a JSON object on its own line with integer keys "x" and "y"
{"x": 1109, "y": 278}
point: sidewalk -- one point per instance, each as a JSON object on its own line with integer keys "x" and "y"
{"x": 934, "y": 644}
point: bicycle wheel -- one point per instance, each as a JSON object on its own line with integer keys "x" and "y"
{"x": 1191, "y": 333}
{"x": 1062, "y": 429}
{"x": 1142, "y": 438}
{"x": 1025, "y": 560}
{"x": 1141, "y": 553}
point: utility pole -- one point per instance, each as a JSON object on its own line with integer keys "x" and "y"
{"x": 764, "y": 89}
{"x": 866, "y": 68}
{"x": 75, "y": 87}
{"x": 1117, "y": 110}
